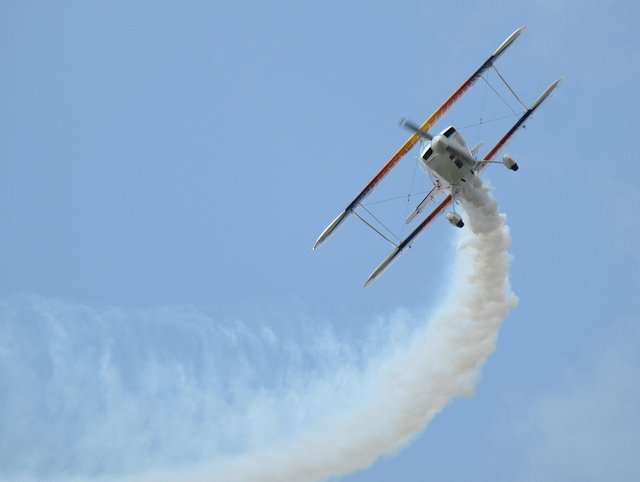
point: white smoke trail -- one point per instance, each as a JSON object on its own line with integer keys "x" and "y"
{"x": 101, "y": 392}
{"x": 442, "y": 363}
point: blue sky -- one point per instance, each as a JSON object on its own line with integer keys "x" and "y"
{"x": 167, "y": 167}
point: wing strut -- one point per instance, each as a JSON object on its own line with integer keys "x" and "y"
{"x": 415, "y": 137}
{"x": 407, "y": 241}
{"x": 374, "y": 228}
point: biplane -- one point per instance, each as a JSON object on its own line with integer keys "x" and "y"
{"x": 446, "y": 157}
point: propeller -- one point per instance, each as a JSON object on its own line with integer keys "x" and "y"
{"x": 451, "y": 148}
{"x": 407, "y": 124}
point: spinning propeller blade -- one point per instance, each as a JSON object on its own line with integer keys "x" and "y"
{"x": 406, "y": 123}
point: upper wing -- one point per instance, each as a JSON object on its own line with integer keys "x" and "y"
{"x": 406, "y": 147}
{"x": 482, "y": 164}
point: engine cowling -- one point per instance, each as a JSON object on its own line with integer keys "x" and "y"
{"x": 509, "y": 162}
{"x": 455, "y": 219}
{"x": 439, "y": 144}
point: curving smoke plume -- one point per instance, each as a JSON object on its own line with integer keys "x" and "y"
{"x": 402, "y": 396}
{"x": 101, "y": 393}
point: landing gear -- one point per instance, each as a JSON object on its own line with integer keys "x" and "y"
{"x": 453, "y": 217}
{"x": 509, "y": 162}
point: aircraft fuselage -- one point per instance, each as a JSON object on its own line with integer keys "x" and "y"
{"x": 449, "y": 169}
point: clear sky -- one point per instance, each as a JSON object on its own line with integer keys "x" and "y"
{"x": 167, "y": 166}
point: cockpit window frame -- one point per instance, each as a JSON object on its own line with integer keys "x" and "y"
{"x": 449, "y": 132}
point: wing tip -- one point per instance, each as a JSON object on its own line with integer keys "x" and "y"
{"x": 382, "y": 266}
{"x": 330, "y": 229}
{"x": 510, "y": 39}
{"x": 547, "y": 92}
